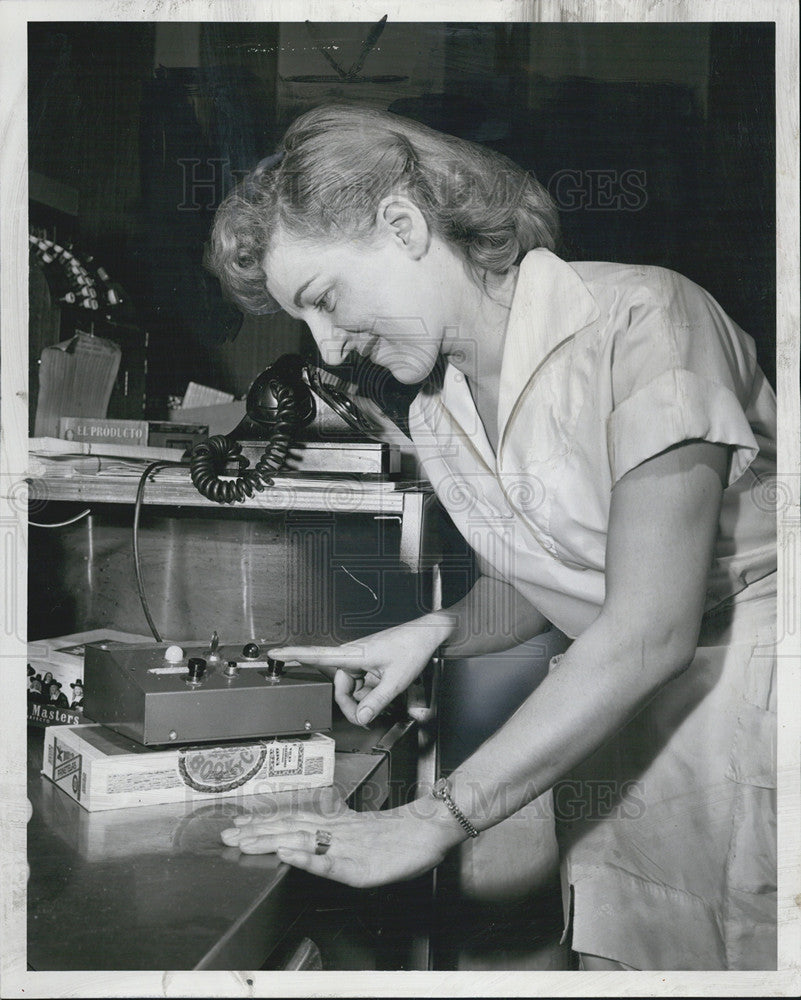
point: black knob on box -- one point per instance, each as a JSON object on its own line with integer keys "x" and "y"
{"x": 274, "y": 667}
{"x": 251, "y": 651}
{"x": 197, "y": 667}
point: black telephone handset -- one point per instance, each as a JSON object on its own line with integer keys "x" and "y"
{"x": 280, "y": 401}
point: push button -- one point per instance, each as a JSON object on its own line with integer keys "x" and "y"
{"x": 197, "y": 667}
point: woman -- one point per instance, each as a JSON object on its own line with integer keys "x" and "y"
{"x": 599, "y": 435}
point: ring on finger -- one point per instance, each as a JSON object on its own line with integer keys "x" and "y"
{"x": 322, "y": 841}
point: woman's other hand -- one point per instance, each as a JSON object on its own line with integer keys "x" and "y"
{"x": 361, "y": 849}
{"x": 370, "y": 672}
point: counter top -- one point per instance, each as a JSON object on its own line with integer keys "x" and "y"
{"x": 154, "y": 887}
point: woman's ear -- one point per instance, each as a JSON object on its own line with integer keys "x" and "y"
{"x": 401, "y": 220}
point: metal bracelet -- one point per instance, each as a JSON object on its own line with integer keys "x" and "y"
{"x": 442, "y": 791}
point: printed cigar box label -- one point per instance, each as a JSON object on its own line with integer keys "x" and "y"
{"x": 107, "y": 431}
{"x": 66, "y": 768}
{"x": 220, "y": 769}
{"x": 133, "y": 782}
{"x": 285, "y": 758}
{"x": 55, "y": 692}
{"x": 52, "y": 715}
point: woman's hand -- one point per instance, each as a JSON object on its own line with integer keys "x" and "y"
{"x": 366, "y": 849}
{"x": 370, "y": 672}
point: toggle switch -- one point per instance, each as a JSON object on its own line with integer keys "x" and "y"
{"x": 212, "y": 654}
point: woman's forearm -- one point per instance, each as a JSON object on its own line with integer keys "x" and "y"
{"x": 490, "y": 618}
{"x": 600, "y": 683}
{"x": 662, "y": 526}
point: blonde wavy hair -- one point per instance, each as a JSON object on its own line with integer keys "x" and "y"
{"x": 335, "y": 166}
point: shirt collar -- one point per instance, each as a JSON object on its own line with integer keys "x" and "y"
{"x": 550, "y": 305}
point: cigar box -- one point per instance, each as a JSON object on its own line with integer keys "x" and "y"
{"x": 102, "y": 769}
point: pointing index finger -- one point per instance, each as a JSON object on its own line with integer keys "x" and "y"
{"x": 314, "y": 655}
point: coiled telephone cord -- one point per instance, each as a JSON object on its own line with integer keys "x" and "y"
{"x": 210, "y": 457}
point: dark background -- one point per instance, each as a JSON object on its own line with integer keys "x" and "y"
{"x": 657, "y": 141}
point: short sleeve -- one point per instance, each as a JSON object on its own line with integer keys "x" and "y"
{"x": 681, "y": 370}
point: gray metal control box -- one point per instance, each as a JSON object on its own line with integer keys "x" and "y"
{"x": 138, "y": 691}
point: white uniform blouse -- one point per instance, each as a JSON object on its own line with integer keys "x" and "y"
{"x": 604, "y": 366}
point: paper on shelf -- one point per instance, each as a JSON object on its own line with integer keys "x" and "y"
{"x": 75, "y": 380}
{"x": 56, "y": 446}
{"x": 42, "y": 466}
{"x": 203, "y": 395}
